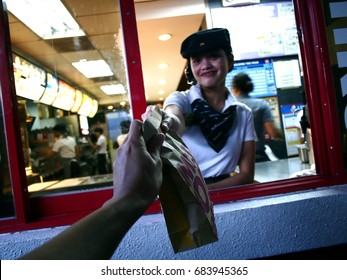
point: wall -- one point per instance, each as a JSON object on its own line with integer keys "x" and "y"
{"x": 248, "y": 229}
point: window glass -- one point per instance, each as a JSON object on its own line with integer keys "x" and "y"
{"x": 72, "y": 91}
{"x": 52, "y": 91}
{"x": 269, "y": 54}
{"x": 6, "y": 194}
{"x": 336, "y": 28}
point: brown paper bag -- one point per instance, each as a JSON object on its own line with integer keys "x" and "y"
{"x": 184, "y": 197}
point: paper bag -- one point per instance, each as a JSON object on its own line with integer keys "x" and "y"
{"x": 184, "y": 198}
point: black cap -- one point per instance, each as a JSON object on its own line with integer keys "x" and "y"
{"x": 206, "y": 40}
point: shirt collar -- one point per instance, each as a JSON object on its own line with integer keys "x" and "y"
{"x": 195, "y": 93}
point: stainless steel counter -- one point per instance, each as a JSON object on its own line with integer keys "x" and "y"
{"x": 281, "y": 169}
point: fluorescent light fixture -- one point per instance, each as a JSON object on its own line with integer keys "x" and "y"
{"x": 49, "y": 19}
{"x": 93, "y": 68}
{"x": 113, "y": 89}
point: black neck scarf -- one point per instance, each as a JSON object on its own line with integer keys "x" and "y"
{"x": 214, "y": 125}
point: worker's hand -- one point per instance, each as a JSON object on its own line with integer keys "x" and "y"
{"x": 138, "y": 167}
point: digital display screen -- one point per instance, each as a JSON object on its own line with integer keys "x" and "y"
{"x": 86, "y": 106}
{"x": 66, "y": 97}
{"x": 30, "y": 80}
{"x": 259, "y": 31}
{"x": 51, "y": 90}
{"x": 287, "y": 73}
{"x": 78, "y": 101}
{"x": 261, "y": 72}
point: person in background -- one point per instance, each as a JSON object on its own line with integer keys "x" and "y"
{"x": 90, "y": 155}
{"x": 98, "y": 235}
{"x": 101, "y": 147}
{"x": 124, "y": 130}
{"x": 242, "y": 86}
{"x": 65, "y": 146}
{"x": 217, "y": 128}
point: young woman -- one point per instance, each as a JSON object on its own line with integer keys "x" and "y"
{"x": 217, "y": 128}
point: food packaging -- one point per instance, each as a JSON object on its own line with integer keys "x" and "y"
{"x": 184, "y": 197}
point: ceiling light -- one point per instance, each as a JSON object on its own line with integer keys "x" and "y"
{"x": 109, "y": 107}
{"x": 163, "y": 66}
{"x": 161, "y": 91}
{"x": 113, "y": 89}
{"x": 165, "y": 37}
{"x": 49, "y": 19}
{"x": 162, "y": 82}
{"x": 93, "y": 68}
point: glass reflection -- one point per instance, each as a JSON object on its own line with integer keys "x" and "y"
{"x": 100, "y": 21}
{"x": 6, "y": 195}
{"x": 60, "y": 80}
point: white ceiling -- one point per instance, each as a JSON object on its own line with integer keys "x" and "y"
{"x": 101, "y": 22}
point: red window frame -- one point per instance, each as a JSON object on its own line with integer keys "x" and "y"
{"x": 66, "y": 208}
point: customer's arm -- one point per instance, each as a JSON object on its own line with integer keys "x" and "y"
{"x": 137, "y": 180}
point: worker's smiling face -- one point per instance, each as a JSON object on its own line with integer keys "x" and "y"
{"x": 210, "y": 67}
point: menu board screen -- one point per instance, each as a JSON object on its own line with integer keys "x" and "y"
{"x": 51, "y": 90}
{"x": 78, "y": 101}
{"x": 287, "y": 73}
{"x": 259, "y": 31}
{"x": 66, "y": 97}
{"x": 30, "y": 80}
{"x": 95, "y": 109}
{"x": 261, "y": 72}
{"x": 87, "y": 106}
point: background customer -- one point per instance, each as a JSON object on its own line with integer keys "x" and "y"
{"x": 242, "y": 86}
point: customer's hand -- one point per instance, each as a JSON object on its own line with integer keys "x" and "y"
{"x": 169, "y": 121}
{"x": 138, "y": 167}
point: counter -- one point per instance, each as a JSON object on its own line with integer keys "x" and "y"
{"x": 73, "y": 184}
{"x": 281, "y": 169}
{"x": 264, "y": 172}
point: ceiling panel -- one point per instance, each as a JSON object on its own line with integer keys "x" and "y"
{"x": 101, "y": 22}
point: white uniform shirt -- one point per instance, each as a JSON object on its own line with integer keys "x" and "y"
{"x": 101, "y": 143}
{"x": 65, "y": 146}
{"x": 211, "y": 163}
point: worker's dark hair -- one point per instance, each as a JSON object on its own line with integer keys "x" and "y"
{"x": 60, "y": 128}
{"x": 243, "y": 82}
